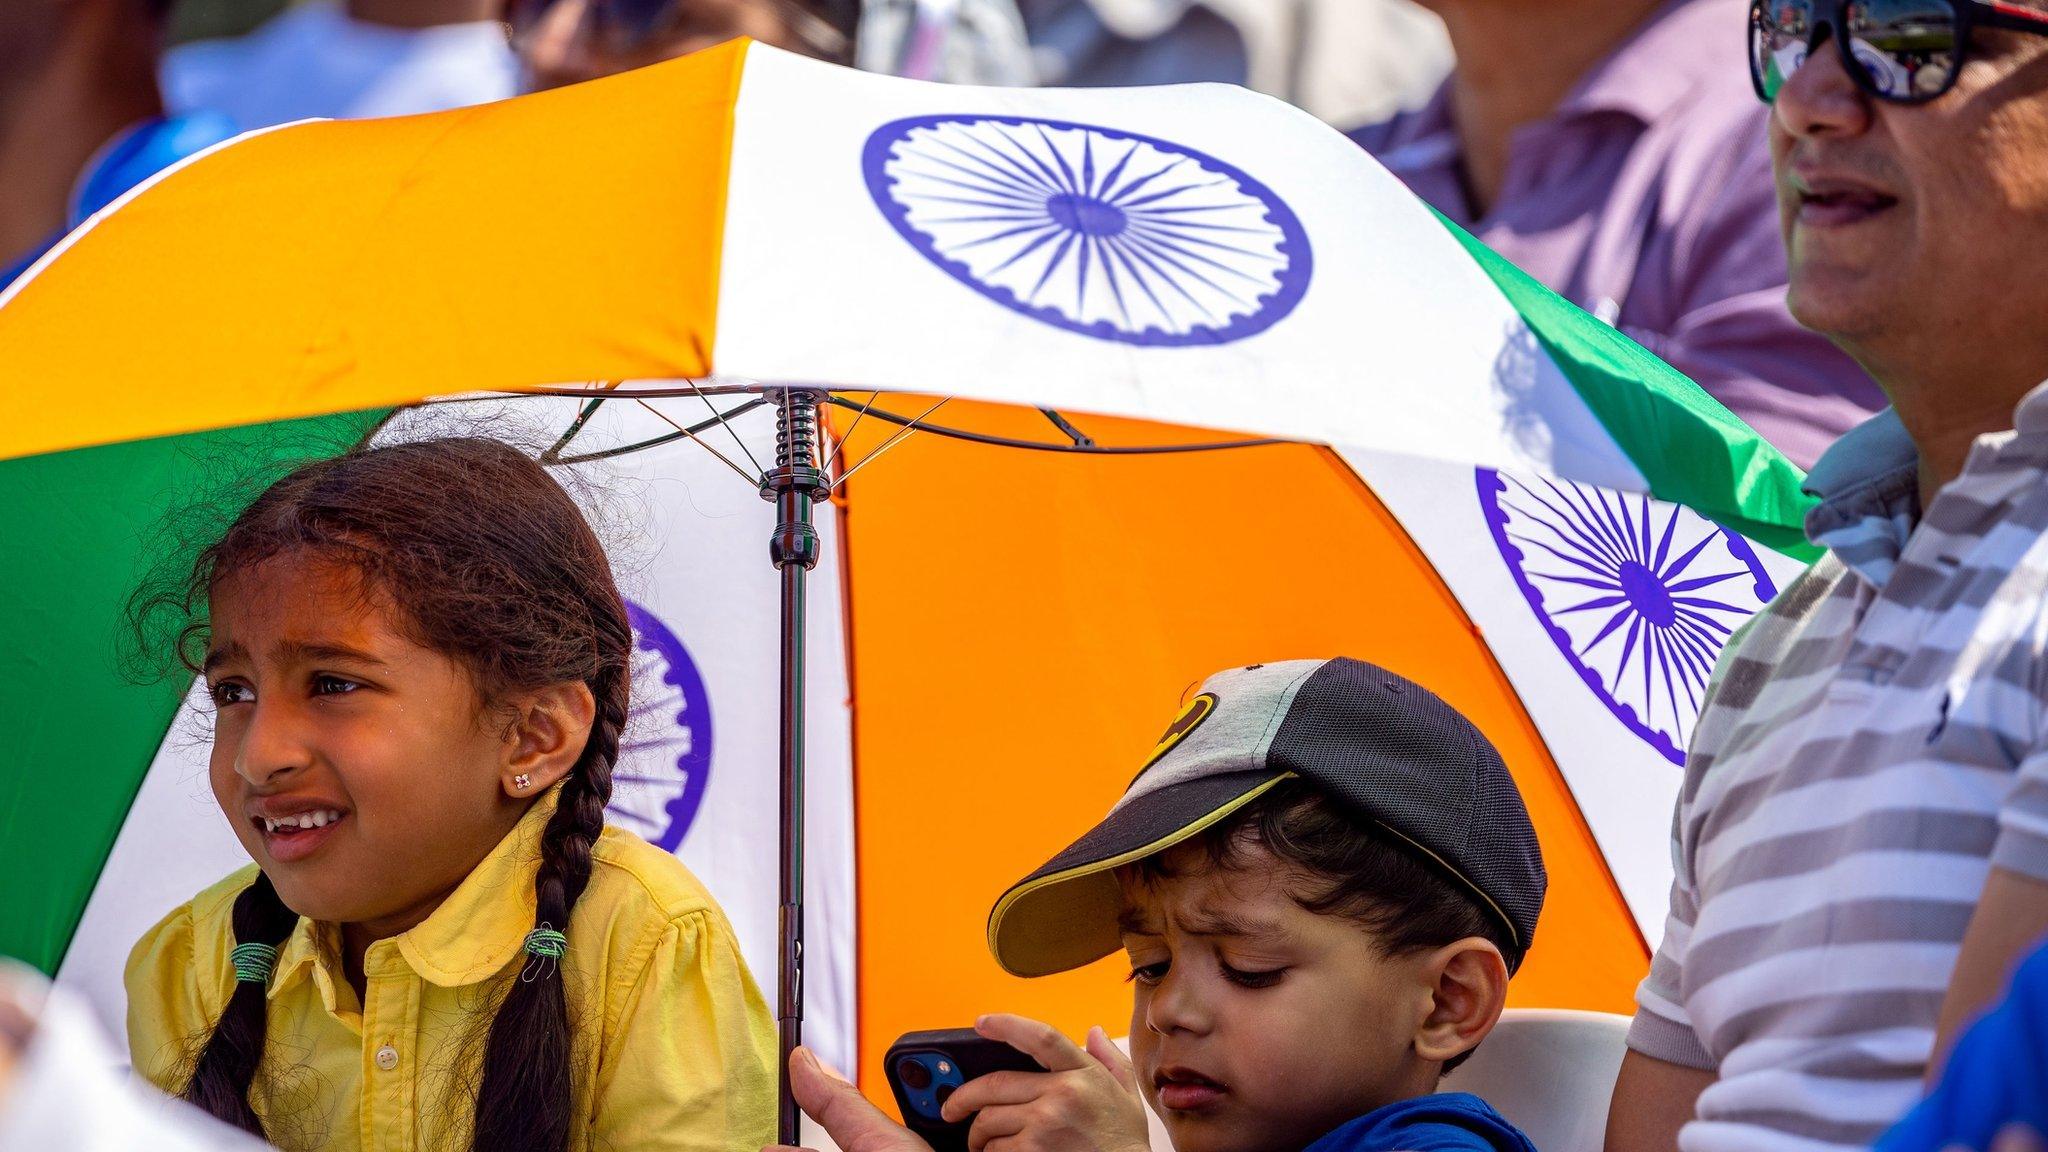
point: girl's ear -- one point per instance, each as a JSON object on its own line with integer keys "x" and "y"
{"x": 546, "y": 738}
{"x": 1470, "y": 988}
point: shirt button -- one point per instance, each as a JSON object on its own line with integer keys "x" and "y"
{"x": 387, "y": 1057}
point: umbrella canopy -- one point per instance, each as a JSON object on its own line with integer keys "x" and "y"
{"x": 1002, "y": 630}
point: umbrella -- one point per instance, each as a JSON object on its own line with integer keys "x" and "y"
{"x": 1131, "y": 324}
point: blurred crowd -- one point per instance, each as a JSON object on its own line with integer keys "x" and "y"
{"x": 1624, "y": 164}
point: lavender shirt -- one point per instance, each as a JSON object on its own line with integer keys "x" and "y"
{"x": 1646, "y": 199}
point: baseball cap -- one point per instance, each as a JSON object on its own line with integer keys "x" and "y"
{"x": 1385, "y": 749}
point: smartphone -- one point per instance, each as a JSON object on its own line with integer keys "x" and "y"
{"x": 925, "y": 1068}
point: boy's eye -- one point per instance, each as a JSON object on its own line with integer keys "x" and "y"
{"x": 229, "y": 692}
{"x": 324, "y": 685}
{"x": 1148, "y": 973}
{"x": 1247, "y": 979}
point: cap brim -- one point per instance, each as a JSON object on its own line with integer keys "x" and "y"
{"x": 1064, "y": 915}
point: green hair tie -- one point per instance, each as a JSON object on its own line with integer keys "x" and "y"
{"x": 546, "y": 946}
{"x": 546, "y": 942}
{"x": 253, "y": 963}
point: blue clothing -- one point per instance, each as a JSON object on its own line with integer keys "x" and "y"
{"x": 128, "y": 159}
{"x": 1442, "y": 1122}
{"x": 1997, "y": 1076}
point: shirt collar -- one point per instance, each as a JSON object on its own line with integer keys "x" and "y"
{"x": 1868, "y": 482}
{"x": 1661, "y": 62}
{"x": 472, "y": 936}
{"x": 1868, "y": 487}
{"x": 1657, "y": 66}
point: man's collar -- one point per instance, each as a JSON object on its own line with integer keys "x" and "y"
{"x": 1868, "y": 485}
{"x": 472, "y": 936}
{"x": 1868, "y": 454}
{"x": 1661, "y": 62}
{"x": 1658, "y": 65}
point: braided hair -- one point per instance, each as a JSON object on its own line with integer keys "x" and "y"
{"x": 488, "y": 561}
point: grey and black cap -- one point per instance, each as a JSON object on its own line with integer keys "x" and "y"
{"x": 1384, "y": 748}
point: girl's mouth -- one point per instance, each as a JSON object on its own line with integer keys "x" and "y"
{"x": 297, "y": 836}
{"x": 1185, "y": 1090}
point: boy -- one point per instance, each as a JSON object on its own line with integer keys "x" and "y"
{"x": 1323, "y": 878}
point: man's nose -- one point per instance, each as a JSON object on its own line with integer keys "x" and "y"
{"x": 273, "y": 744}
{"x": 1819, "y": 98}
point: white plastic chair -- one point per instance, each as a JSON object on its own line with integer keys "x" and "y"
{"x": 1550, "y": 1071}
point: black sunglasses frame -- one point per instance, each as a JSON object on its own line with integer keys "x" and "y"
{"x": 1969, "y": 15}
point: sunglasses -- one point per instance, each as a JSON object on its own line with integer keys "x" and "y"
{"x": 1902, "y": 51}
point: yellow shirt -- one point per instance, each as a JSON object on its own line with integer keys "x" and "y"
{"x": 675, "y": 1048}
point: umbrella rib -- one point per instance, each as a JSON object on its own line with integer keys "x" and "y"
{"x": 839, "y": 442}
{"x": 898, "y": 437}
{"x": 554, "y": 451}
{"x": 713, "y": 409}
{"x": 754, "y": 481}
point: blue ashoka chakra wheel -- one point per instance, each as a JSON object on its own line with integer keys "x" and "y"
{"x": 665, "y": 754}
{"x": 1097, "y": 231}
{"x": 1639, "y": 597}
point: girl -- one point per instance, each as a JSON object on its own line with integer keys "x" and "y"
{"x": 419, "y": 663}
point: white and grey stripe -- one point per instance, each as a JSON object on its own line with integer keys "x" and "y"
{"x": 1872, "y": 744}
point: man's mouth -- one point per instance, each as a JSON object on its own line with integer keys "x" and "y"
{"x": 1824, "y": 203}
{"x": 1186, "y": 1090}
{"x": 294, "y": 835}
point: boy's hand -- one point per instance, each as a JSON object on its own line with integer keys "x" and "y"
{"x": 1086, "y": 1101}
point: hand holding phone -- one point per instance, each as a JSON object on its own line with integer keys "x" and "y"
{"x": 926, "y": 1068}
{"x": 1053, "y": 1097}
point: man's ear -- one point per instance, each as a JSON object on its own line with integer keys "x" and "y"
{"x": 549, "y": 729}
{"x": 1470, "y": 988}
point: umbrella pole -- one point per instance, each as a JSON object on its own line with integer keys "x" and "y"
{"x": 794, "y": 484}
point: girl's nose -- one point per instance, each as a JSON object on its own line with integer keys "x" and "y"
{"x": 1819, "y": 98}
{"x": 270, "y": 746}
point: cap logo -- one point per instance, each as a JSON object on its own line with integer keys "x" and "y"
{"x": 1190, "y": 718}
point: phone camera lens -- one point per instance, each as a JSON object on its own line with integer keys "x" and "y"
{"x": 914, "y": 1074}
{"x": 944, "y": 1093}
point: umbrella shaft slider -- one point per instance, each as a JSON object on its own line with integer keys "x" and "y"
{"x": 796, "y": 482}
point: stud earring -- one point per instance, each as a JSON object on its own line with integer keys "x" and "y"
{"x": 522, "y": 782}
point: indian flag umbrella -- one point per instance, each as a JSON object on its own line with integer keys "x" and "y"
{"x": 1107, "y": 390}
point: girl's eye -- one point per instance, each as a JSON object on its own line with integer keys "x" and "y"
{"x": 1245, "y": 979}
{"x": 230, "y": 692}
{"x": 1148, "y": 973}
{"x": 324, "y": 685}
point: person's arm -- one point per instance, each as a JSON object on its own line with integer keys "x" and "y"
{"x": 1666, "y": 1067}
{"x": 2011, "y": 919}
{"x": 1653, "y": 1099}
{"x": 689, "y": 1063}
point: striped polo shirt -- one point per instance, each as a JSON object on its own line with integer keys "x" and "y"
{"x": 1872, "y": 744}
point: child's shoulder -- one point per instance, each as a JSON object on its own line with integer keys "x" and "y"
{"x": 645, "y": 880}
{"x": 1438, "y": 1122}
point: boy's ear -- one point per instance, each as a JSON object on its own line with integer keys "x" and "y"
{"x": 549, "y": 728}
{"x": 1471, "y": 988}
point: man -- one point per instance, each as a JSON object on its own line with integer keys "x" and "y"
{"x": 1862, "y": 838}
{"x": 1612, "y": 149}
{"x": 81, "y": 120}
{"x": 358, "y": 58}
